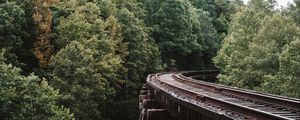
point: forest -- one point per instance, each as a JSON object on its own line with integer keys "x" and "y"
{"x": 87, "y": 59}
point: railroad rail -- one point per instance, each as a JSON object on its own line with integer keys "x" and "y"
{"x": 179, "y": 96}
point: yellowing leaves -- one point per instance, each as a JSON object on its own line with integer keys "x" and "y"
{"x": 43, "y": 18}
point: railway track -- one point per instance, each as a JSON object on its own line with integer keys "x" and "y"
{"x": 226, "y": 102}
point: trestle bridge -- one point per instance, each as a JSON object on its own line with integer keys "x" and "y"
{"x": 194, "y": 96}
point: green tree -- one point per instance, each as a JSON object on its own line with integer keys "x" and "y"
{"x": 231, "y": 58}
{"x": 183, "y": 33}
{"x": 142, "y": 53}
{"x": 83, "y": 88}
{"x": 264, "y": 5}
{"x": 82, "y": 24}
{"x": 294, "y": 10}
{"x": 28, "y": 97}
{"x": 18, "y": 34}
{"x": 289, "y": 69}
{"x": 277, "y": 46}
{"x": 150, "y": 7}
{"x": 224, "y": 10}
{"x": 286, "y": 81}
{"x": 219, "y": 11}
{"x": 207, "y": 5}
{"x": 84, "y": 28}
{"x": 12, "y": 19}
{"x": 255, "y": 53}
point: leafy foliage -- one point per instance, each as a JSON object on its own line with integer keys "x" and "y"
{"x": 17, "y": 33}
{"x": 82, "y": 86}
{"x": 294, "y": 10}
{"x": 43, "y": 19}
{"x": 12, "y": 18}
{"x": 253, "y": 54}
{"x": 28, "y": 97}
{"x": 142, "y": 52}
{"x": 235, "y": 49}
{"x": 96, "y": 53}
{"x": 95, "y": 74}
{"x": 182, "y": 32}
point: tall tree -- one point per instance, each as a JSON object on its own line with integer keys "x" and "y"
{"x": 276, "y": 45}
{"x": 98, "y": 41}
{"x": 24, "y": 54}
{"x": 83, "y": 88}
{"x": 286, "y": 81}
{"x": 142, "y": 53}
{"x": 43, "y": 18}
{"x": 294, "y": 10}
{"x": 224, "y": 10}
{"x": 235, "y": 48}
{"x": 289, "y": 70}
{"x": 253, "y": 54}
{"x": 219, "y": 11}
{"x": 12, "y": 20}
{"x": 28, "y": 97}
{"x": 183, "y": 33}
{"x": 207, "y": 5}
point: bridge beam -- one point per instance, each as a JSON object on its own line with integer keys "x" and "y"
{"x": 158, "y": 114}
{"x": 151, "y": 109}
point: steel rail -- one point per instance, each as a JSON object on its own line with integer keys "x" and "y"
{"x": 261, "y": 97}
{"x": 157, "y": 86}
{"x": 224, "y": 90}
{"x": 186, "y": 75}
{"x": 253, "y": 113}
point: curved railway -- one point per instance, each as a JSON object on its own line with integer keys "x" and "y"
{"x": 186, "y": 98}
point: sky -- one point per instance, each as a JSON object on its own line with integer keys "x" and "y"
{"x": 283, "y": 3}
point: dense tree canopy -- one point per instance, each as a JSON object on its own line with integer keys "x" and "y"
{"x": 182, "y": 32}
{"x": 295, "y": 10}
{"x": 28, "y": 97}
{"x": 254, "y": 54}
{"x": 142, "y": 52}
{"x": 97, "y": 45}
{"x": 11, "y": 30}
{"x": 87, "y": 59}
{"x": 83, "y": 88}
{"x": 42, "y": 16}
